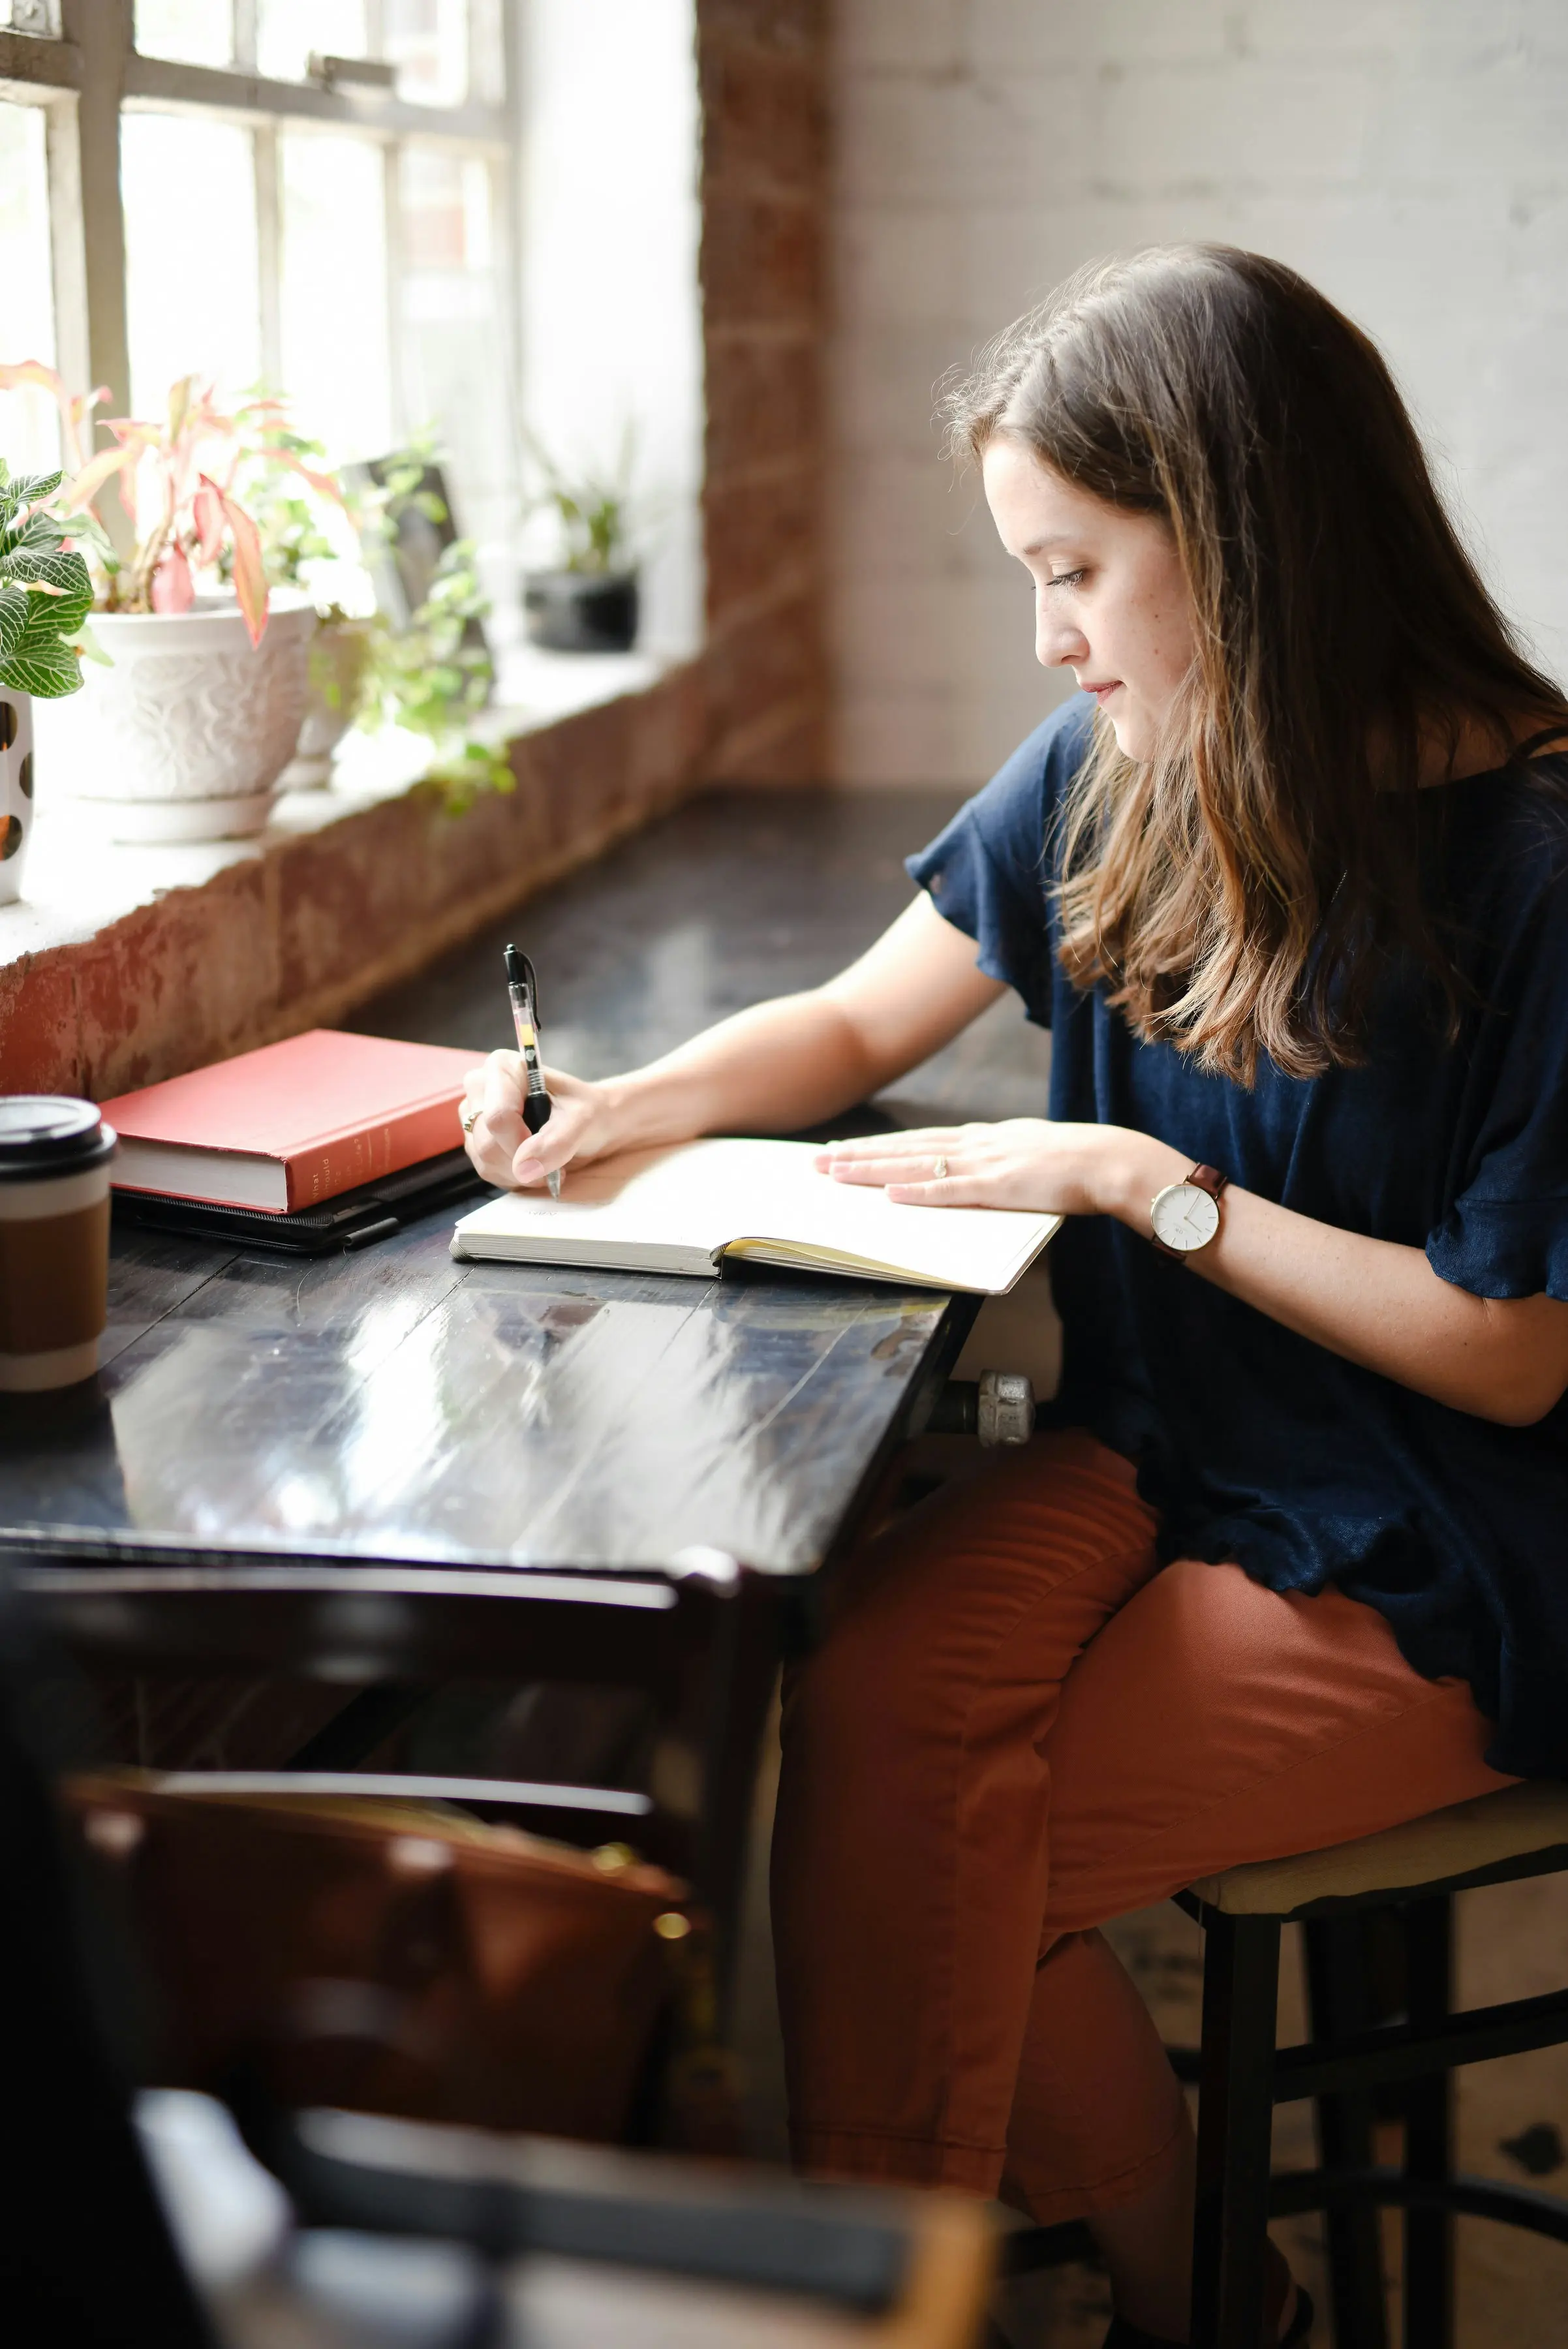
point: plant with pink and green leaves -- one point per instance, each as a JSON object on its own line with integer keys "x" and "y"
{"x": 175, "y": 480}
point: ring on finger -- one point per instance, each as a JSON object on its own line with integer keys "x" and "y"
{"x": 468, "y": 1119}
{"x": 940, "y": 1168}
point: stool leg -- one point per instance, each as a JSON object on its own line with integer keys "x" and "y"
{"x": 1235, "y": 2114}
{"x": 1337, "y": 2005}
{"x": 1429, "y": 2130}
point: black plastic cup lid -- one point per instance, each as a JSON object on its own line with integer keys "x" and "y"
{"x": 50, "y": 1134}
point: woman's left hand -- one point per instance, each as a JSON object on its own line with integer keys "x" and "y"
{"x": 1023, "y": 1161}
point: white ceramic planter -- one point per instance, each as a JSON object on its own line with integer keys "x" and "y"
{"x": 16, "y": 789}
{"x": 186, "y": 736}
{"x": 339, "y": 651}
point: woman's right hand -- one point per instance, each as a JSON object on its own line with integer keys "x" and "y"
{"x": 579, "y": 1125}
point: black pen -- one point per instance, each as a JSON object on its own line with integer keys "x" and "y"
{"x": 523, "y": 989}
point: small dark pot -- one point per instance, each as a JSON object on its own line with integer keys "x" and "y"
{"x": 581, "y": 611}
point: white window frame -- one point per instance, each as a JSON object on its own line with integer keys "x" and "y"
{"x": 86, "y": 79}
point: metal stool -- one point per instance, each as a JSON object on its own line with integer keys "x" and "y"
{"x": 1413, "y": 1870}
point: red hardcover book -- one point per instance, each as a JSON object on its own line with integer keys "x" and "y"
{"x": 292, "y": 1124}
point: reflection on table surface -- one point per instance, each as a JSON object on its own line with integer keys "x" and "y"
{"x": 396, "y": 1404}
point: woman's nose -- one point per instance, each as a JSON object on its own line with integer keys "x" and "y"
{"x": 1057, "y": 644}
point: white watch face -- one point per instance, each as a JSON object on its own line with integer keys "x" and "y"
{"x": 1184, "y": 1217}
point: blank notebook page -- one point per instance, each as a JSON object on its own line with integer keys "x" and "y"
{"x": 682, "y": 1210}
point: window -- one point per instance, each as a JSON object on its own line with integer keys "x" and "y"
{"x": 310, "y": 194}
{"x": 27, "y": 418}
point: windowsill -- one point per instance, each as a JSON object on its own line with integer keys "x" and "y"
{"x": 129, "y": 964}
{"x": 79, "y": 882}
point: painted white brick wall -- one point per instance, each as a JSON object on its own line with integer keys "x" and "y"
{"x": 1408, "y": 156}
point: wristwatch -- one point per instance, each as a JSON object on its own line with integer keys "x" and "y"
{"x": 1185, "y": 1215}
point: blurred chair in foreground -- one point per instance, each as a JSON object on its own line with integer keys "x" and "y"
{"x": 527, "y": 2243}
{"x": 82, "y": 2233}
{"x": 126, "y": 2222}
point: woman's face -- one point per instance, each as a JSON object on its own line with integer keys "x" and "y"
{"x": 1111, "y": 602}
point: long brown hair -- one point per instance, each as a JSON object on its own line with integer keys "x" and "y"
{"x": 1240, "y": 890}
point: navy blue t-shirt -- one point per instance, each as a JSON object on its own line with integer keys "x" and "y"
{"x": 1257, "y": 1444}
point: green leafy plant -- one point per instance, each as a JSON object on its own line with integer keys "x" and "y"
{"x": 592, "y": 511}
{"x": 433, "y": 677}
{"x": 430, "y": 676}
{"x": 314, "y": 527}
{"x": 293, "y": 539}
{"x": 45, "y": 587}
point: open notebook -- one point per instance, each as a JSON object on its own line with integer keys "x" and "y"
{"x": 682, "y": 1210}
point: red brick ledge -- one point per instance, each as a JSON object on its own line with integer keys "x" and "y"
{"x": 315, "y": 921}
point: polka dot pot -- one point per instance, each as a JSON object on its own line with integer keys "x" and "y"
{"x": 17, "y": 802}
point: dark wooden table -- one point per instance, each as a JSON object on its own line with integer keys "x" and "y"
{"x": 391, "y": 1468}
{"x": 393, "y": 1407}
{"x": 396, "y": 1408}
{"x": 391, "y": 1471}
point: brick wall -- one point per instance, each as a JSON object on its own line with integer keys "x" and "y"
{"x": 1408, "y": 155}
{"x": 296, "y": 929}
{"x": 762, "y": 70}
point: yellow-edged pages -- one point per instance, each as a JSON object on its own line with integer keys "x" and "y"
{"x": 682, "y": 1209}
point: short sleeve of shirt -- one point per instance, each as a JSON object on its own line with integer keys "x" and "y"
{"x": 1506, "y": 1232}
{"x": 988, "y": 872}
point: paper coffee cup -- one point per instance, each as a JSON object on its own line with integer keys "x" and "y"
{"x": 55, "y": 1156}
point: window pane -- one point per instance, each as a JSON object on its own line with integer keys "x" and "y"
{"x": 337, "y": 363}
{"x": 195, "y": 31}
{"x": 427, "y": 40}
{"x": 41, "y": 16}
{"x": 487, "y": 63}
{"x": 455, "y": 369}
{"x": 29, "y": 435}
{"x": 288, "y": 30}
{"x": 189, "y": 187}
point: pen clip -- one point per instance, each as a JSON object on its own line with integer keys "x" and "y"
{"x": 532, "y": 985}
{"x": 521, "y": 981}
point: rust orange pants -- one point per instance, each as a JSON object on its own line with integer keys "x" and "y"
{"x": 1019, "y": 1727}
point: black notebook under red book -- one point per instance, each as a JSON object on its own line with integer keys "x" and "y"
{"x": 326, "y": 1140}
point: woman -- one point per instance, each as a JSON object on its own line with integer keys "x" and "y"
{"x": 1287, "y": 882}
